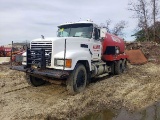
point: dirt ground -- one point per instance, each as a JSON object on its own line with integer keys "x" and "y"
{"x": 151, "y": 50}
{"x": 134, "y": 90}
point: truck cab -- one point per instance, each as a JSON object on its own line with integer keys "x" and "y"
{"x": 73, "y": 39}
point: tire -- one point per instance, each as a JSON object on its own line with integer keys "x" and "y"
{"x": 118, "y": 67}
{"x": 77, "y": 80}
{"x": 112, "y": 68}
{"x": 34, "y": 81}
{"x": 124, "y": 64}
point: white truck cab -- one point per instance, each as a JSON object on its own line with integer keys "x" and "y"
{"x": 74, "y": 42}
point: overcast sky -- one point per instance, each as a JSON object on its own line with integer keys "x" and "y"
{"x": 22, "y": 20}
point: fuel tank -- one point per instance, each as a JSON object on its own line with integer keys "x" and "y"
{"x": 111, "y": 43}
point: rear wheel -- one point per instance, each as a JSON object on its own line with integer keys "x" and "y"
{"x": 118, "y": 67}
{"x": 77, "y": 80}
{"x": 112, "y": 68}
{"x": 34, "y": 81}
{"x": 124, "y": 64}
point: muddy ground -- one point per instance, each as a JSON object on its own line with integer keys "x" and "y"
{"x": 151, "y": 50}
{"x": 135, "y": 90}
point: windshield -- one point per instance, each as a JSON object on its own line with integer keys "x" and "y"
{"x": 75, "y": 30}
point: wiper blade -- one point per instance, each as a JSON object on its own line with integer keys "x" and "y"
{"x": 75, "y": 36}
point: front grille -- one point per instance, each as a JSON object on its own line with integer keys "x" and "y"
{"x": 46, "y": 45}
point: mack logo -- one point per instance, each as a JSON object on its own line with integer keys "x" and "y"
{"x": 96, "y": 46}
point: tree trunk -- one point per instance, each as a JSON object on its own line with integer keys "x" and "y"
{"x": 154, "y": 20}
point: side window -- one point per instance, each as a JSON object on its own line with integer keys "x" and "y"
{"x": 96, "y": 34}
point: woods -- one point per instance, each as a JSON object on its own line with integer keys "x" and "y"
{"x": 147, "y": 14}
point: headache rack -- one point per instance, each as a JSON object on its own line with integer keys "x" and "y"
{"x": 40, "y": 54}
{"x": 38, "y": 58}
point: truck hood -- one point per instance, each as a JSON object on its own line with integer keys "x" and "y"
{"x": 56, "y": 46}
{"x": 47, "y": 39}
{"x": 58, "y": 43}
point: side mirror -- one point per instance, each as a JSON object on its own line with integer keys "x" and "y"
{"x": 96, "y": 35}
{"x": 103, "y": 32}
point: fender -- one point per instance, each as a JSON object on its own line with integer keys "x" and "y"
{"x": 75, "y": 55}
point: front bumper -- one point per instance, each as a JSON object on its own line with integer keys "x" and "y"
{"x": 59, "y": 74}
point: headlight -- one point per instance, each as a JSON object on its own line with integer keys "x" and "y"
{"x": 117, "y": 50}
{"x": 60, "y": 62}
{"x": 24, "y": 59}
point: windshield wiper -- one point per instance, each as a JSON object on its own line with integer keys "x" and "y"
{"x": 76, "y": 36}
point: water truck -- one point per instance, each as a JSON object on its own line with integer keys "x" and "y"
{"x": 81, "y": 51}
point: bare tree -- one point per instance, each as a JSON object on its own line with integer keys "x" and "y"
{"x": 154, "y": 19}
{"x": 106, "y": 25}
{"x": 141, "y": 10}
{"x": 118, "y": 28}
{"x": 155, "y": 11}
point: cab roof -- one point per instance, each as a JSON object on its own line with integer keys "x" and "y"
{"x": 79, "y": 22}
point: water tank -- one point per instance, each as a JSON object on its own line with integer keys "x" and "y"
{"x": 111, "y": 43}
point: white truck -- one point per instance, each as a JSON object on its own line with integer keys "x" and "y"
{"x": 81, "y": 51}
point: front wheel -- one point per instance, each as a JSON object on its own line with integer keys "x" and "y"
{"x": 77, "y": 79}
{"x": 34, "y": 81}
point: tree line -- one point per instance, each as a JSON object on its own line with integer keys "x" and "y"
{"x": 147, "y": 14}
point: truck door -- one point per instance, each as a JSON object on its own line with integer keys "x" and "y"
{"x": 96, "y": 45}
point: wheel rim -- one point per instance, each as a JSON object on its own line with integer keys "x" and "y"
{"x": 80, "y": 79}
